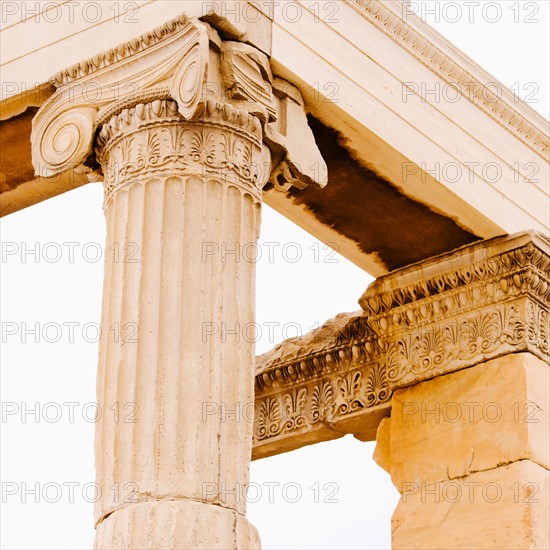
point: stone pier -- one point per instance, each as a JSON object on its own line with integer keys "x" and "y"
{"x": 469, "y": 453}
{"x": 467, "y": 443}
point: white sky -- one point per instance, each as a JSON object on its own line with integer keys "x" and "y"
{"x": 513, "y": 49}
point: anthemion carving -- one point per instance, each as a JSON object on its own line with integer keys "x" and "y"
{"x": 153, "y": 139}
{"x": 448, "y": 313}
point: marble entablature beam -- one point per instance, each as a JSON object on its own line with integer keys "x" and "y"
{"x": 439, "y": 316}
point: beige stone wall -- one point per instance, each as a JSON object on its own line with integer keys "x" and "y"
{"x": 469, "y": 453}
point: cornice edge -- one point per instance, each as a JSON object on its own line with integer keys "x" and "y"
{"x": 453, "y": 72}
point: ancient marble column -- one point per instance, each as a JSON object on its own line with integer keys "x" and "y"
{"x": 466, "y": 347}
{"x": 186, "y": 197}
{"x": 184, "y": 155}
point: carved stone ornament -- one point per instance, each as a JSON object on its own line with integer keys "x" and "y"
{"x": 296, "y": 159}
{"x": 438, "y": 316}
{"x": 184, "y": 61}
{"x": 170, "y": 61}
{"x": 153, "y": 140}
{"x": 246, "y": 75}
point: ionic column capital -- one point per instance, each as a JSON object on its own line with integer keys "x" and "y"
{"x": 170, "y": 61}
{"x": 153, "y": 140}
{"x": 186, "y": 63}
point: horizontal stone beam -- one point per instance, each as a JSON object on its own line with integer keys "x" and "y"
{"x": 448, "y": 313}
{"x": 320, "y": 386}
{"x": 40, "y": 189}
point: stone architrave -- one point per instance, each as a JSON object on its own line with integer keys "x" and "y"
{"x": 447, "y": 313}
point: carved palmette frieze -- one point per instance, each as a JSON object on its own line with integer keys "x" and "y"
{"x": 441, "y": 315}
{"x": 334, "y": 356}
{"x": 377, "y": 386}
{"x": 294, "y": 402}
{"x": 488, "y": 276}
{"x": 268, "y": 419}
{"x": 153, "y": 139}
{"x": 349, "y": 386}
{"x": 363, "y": 377}
{"x": 465, "y": 341}
{"x": 324, "y": 401}
{"x": 322, "y": 405}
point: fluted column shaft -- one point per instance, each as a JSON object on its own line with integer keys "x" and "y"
{"x": 180, "y": 197}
